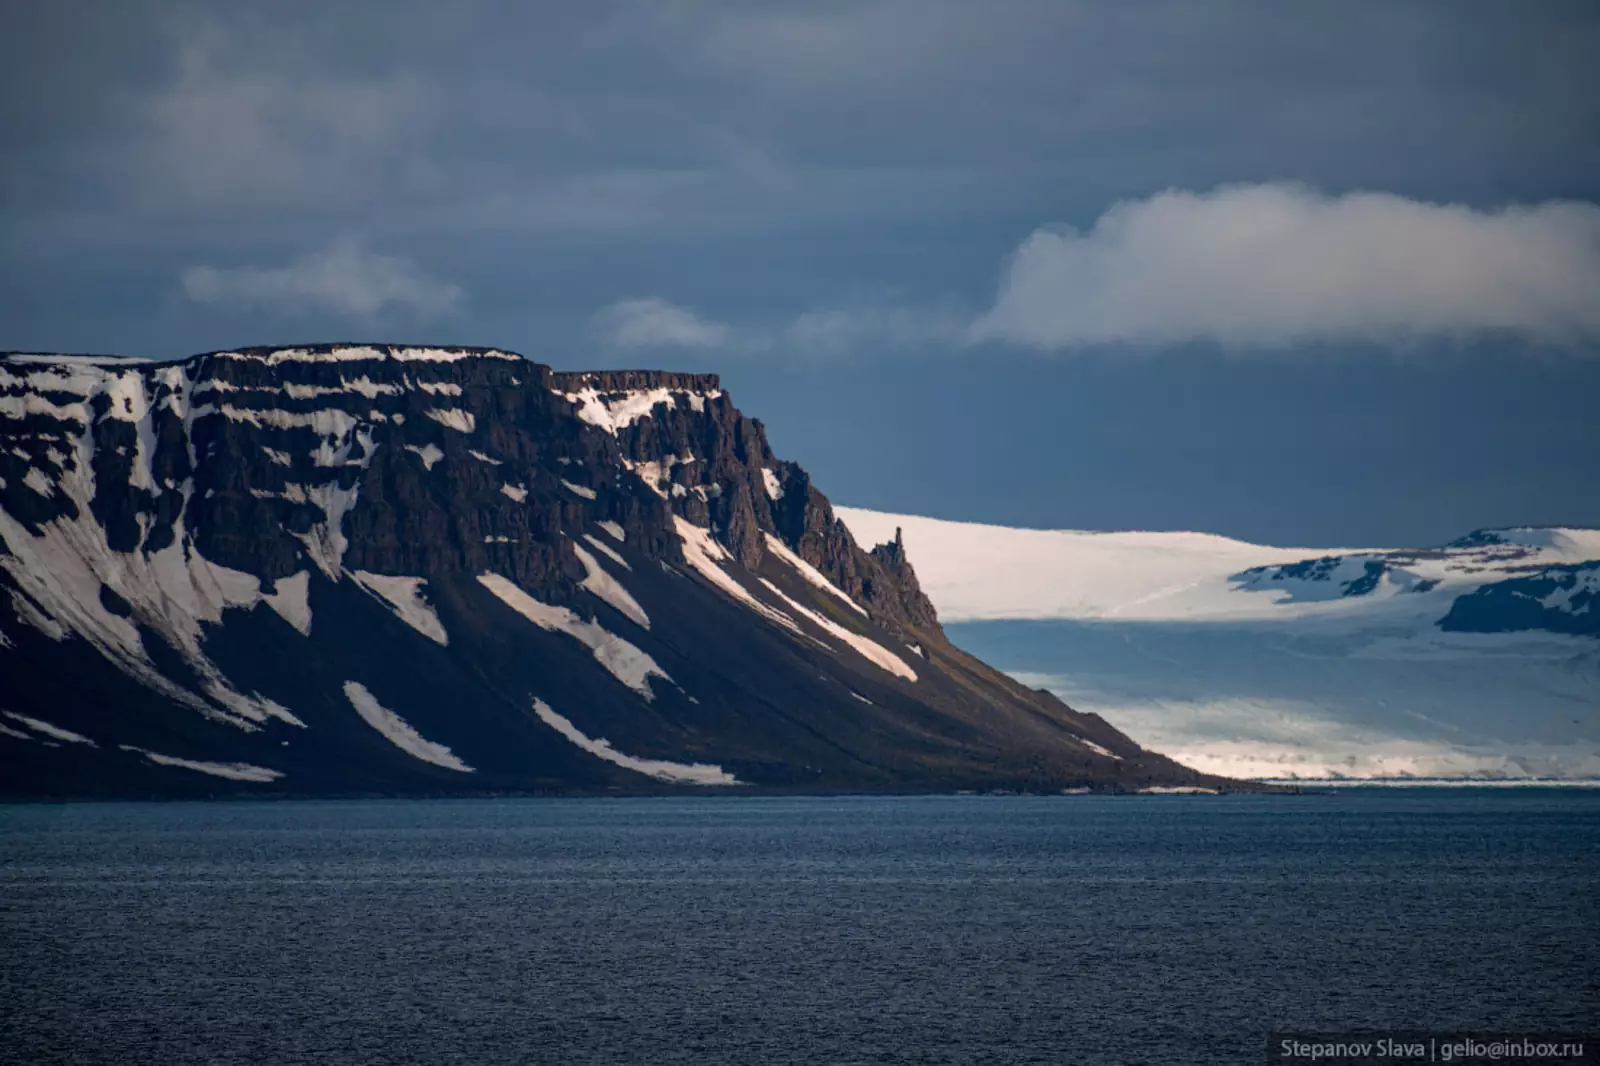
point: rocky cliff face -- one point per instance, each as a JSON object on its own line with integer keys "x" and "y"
{"x": 370, "y": 568}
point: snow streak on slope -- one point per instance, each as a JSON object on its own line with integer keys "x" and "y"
{"x": 703, "y": 553}
{"x": 404, "y": 596}
{"x": 292, "y": 601}
{"x": 54, "y": 732}
{"x": 624, "y": 661}
{"x": 675, "y": 772}
{"x": 866, "y": 647}
{"x": 812, "y": 575}
{"x": 398, "y": 731}
{"x": 232, "y": 771}
{"x": 603, "y": 585}
{"x": 325, "y": 544}
{"x": 1254, "y": 661}
{"x": 607, "y": 550}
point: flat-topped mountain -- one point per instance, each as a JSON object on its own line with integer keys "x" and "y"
{"x": 382, "y": 569}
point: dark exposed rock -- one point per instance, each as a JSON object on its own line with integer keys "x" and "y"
{"x": 1561, "y": 599}
{"x": 235, "y": 520}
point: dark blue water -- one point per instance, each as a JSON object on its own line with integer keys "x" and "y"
{"x": 925, "y": 930}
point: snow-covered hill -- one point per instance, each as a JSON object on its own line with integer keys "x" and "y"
{"x": 1477, "y": 659}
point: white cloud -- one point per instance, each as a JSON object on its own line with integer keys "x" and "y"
{"x": 848, "y": 329}
{"x": 344, "y": 278}
{"x": 652, "y": 322}
{"x": 1252, "y": 265}
{"x": 250, "y": 120}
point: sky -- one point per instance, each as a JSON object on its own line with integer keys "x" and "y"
{"x": 1320, "y": 274}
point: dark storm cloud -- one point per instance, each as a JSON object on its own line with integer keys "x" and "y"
{"x": 406, "y": 118}
{"x": 732, "y": 185}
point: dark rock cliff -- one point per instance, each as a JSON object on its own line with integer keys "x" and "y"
{"x": 372, "y": 568}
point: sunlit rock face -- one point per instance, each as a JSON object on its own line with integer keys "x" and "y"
{"x": 387, "y": 569}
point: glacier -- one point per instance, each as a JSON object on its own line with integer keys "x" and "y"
{"x": 1476, "y": 660}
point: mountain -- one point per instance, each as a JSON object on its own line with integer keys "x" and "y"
{"x": 350, "y": 568}
{"x": 1475, "y": 660}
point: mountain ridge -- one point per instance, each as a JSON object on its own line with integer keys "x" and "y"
{"x": 355, "y": 568}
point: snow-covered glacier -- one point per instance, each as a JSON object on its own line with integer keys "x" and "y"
{"x": 1477, "y": 660}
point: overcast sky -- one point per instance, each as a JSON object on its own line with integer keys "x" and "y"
{"x": 1314, "y": 273}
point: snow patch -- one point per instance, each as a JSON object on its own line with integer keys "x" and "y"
{"x": 675, "y": 772}
{"x": 36, "y": 480}
{"x": 363, "y": 353}
{"x": 651, "y": 474}
{"x": 31, "y": 615}
{"x": 63, "y": 568}
{"x": 453, "y": 418}
{"x": 404, "y": 596}
{"x": 1098, "y": 749}
{"x": 398, "y": 731}
{"x": 607, "y": 550}
{"x": 603, "y": 585}
{"x": 516, "y": 492}
{"x": 482, "y": 458}
{"x": 33, "y": 404}
{"x": 325, "y": 545}
{"x": 621, "y": 659}
{"x": 615, "y": 530}
{"x": 63, "y": 363}
{"x": 703, "y": 554}
{"x": 614, "y": 411}
{"x": 233, "y": 771}
{"x": 868, "y": 648}
{"x": 362, "y": 385}
{"x": 428, "y": 453}
{"x": 292, "y": 601}
{"x": 449, "y": 355}
{"x": 811, "y": 574}
{"x": 326, "y": 422}
{"x": 46, "y": 729}
{"x": 129, "y": 402}
{"x": 580, "y": 490}
{"x": 774, "y": 486}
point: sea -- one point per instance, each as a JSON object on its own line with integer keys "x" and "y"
{"x": 728, "y": 929}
